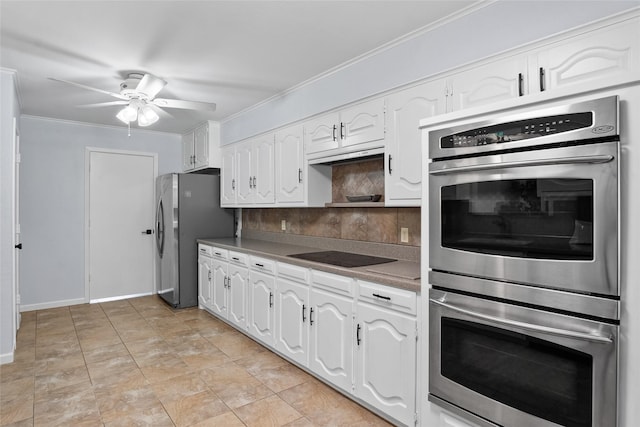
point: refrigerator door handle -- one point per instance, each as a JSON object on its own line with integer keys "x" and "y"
{"x": 160, "y": 228}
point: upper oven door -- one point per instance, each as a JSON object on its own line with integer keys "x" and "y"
{"x": 545, "y": 217}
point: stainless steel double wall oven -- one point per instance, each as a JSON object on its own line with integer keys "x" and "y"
{"x": 523, "y": 252}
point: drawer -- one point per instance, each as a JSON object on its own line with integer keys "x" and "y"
{"x": 238, "y": 258}
{"x": 332, "y": 282}
{"x": 262, "y": 264}
{"x": 205, "y": 250}
{"x": 219, "y": 253}
{"x": 293, "y": 272}
{"x": 387, "y": 296}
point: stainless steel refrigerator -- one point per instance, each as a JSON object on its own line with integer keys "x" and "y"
{"x": 188, "y": 208}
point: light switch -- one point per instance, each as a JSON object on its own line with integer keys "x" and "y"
{"x": 283, "y": 225}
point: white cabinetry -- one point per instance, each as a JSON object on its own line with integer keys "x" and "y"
{"x": 290, "y": 170}
{"x": 261, "y": 300}
{"x": 228, "y": 183}
{"x": 201, "y": 147}
{"x": 292, "y": 312}
{"x": 386, "y": 333}
{"x": 254, "y": 171}
{"x": 219, "y": 269}
{"x": 237, "y": 288}
{"x": 403, "y": 167}
{"x": 205, "y": 278}
{"x": 359, "y": 126}
{"x": 331, "y": 329}
{"x": 600, "y": 58}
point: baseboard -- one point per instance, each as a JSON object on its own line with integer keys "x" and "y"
{"x": 6, "y": 358}
{"x": 51, "y": 304}
{"x": 144, "y": 294}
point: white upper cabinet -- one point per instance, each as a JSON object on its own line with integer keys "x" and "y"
{"x": 403, "y": 166}
{"x": 322, "y": 133}
{"x": 493, "y": 82}
{"x": 604, "y": 57}
{"x": 251, "y": 179}
{"x": 290, "y": 170}
{"x": 201, "y": 147}
{"x": 228, "y": 182}
{"x": 345, "y": 130}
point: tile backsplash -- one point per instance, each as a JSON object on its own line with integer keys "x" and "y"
{"x": 380, "y": 225}
{"x": 357, "y": 179}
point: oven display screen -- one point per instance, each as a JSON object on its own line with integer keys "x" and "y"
{"x": 535, "y": 376}
{"x": 518, "y": 130}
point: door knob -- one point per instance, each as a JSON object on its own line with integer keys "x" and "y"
{"x": 148, "y": 231}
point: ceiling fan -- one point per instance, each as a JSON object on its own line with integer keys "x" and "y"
{"x": 138, "y": 94}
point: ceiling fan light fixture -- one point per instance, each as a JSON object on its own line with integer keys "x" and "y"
{"x": 128, "y": 114}
{"x": 147, "y": 116}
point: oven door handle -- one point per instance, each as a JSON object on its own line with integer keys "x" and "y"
{"x": 527, "y": 326}
{"x": 603, "y": 158}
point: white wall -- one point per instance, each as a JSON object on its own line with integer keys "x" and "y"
{"x": 52, "y": 201}
{"x": 9, "y": 109}
{"x": 490, "y": 30}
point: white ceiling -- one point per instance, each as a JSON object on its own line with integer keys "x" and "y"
{"x": 232, "y": 53}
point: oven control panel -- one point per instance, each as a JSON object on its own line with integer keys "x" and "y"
{"x": 517, "y": 130}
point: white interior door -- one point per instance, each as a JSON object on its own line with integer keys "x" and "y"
{"x": 121, "y": 209}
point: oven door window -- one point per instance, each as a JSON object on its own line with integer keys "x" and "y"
{"x": 527, "y": 218}
{"x": 535, "y": 376}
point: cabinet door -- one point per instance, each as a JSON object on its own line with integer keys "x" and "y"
{"x": 493, "y": 82}
{"x": 261, "y": 300}
{"x": 331, "y": 335}
{"x": 386, "y": 361}
{"x": 201, "y": 146}
{"x": 362, "y": 123}
{"x": 263, "y": 170}
{"x": 187, "y": 151}
{"x": 237, "y": 295}
{"x": 219, "y": 287}
{"x": 403, "y": 178}
{"x": 605, "y": 57}
{"x": 204, "y": 281}
{"x": 244, "y": 173}
{"x": 228, "y": 182}
{"x": 289, "y": 165}
{"x": 292, "y": 323}
{"x": 322, "y": 133}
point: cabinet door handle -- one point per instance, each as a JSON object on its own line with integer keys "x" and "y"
{"x": 270, "y": 299}
{"x": 233, "y": 184}
{"x": 341, "y": 130}
{"x": 334, "y": 132}
{"x": 358, "y": 334}
{"x": 303, "y": 317}
{"x": 209, "y": 275}
{"x": 389, "y": 164}
{"x": 310, "y": 316}
{"x": 299, "y": 175}
{"x": 542, "y": 82}
{"x": 250, "y": 182}
{"x": 255, "y": 185}
{"x": 520, "y": 84}
{"x": 228, "y": 282}
{"x": 382, "y": 297}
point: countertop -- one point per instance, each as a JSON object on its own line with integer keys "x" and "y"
{"x": 399, "y": 274}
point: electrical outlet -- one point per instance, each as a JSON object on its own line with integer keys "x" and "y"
{"x": 404, "y": 235}
{"x": 283, "y": 225}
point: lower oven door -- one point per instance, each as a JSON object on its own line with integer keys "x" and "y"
{"x": 517, "y": 366}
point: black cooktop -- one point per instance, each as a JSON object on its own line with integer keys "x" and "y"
{"x": 342, "y": 259}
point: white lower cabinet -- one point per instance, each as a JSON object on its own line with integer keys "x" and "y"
{"x": 331, "y": 335}
{"x": 386, "y": 361}
{"x": 204, "y": 276}
{"x": 237, "y": 287}
{"x": 261, "y": 301}
{"x": 292, "y": 322}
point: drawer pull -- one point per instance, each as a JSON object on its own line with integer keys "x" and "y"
{"x": 382, "y": 297}
{"x": 235, "y": 258}
{"x": 259, "y": 265}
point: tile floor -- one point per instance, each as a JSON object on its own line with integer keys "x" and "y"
{"x": 137, "y": 362}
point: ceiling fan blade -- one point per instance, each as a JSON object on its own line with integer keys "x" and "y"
{"x": 187, "y": 105}
{"x": 150, "y": 85}
{"x": 103, "y": 104}
{"x": 106, "y": 92}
